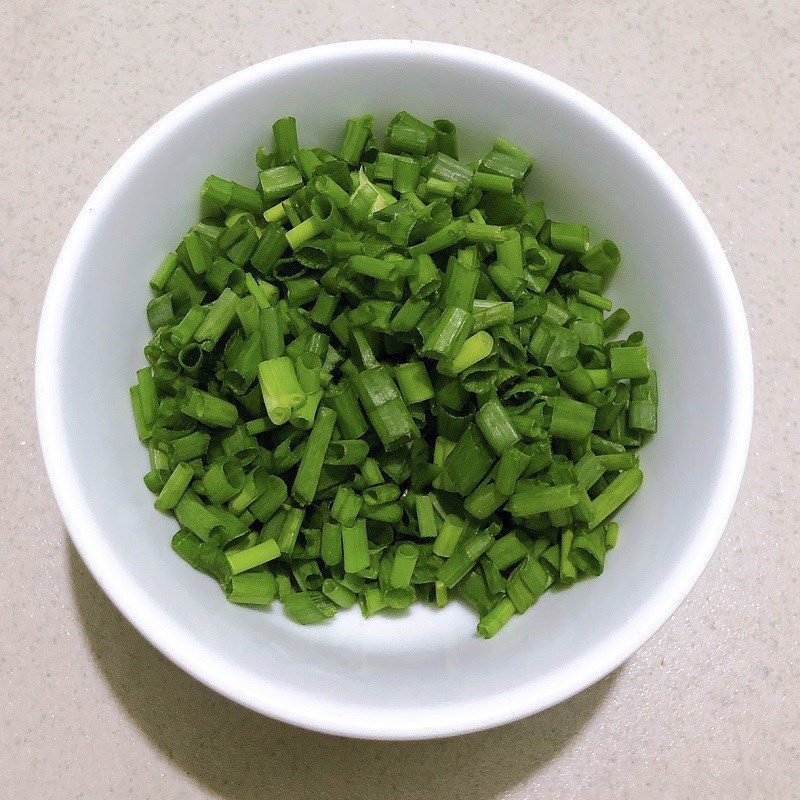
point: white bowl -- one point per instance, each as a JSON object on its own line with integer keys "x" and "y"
{"x": 425, "y": 674}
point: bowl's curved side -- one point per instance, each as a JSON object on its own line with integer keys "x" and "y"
{"x": 275, "y": 699}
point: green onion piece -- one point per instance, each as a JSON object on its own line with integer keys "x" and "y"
{"x": 469, "y": 461}
{"x": 347, "y": 451}
{"x": 160, "y": 311}
{"x": 175, "y": 486}
{"x": 408, "y": 134}
{"x": 595, "y": 300}
{"x": 274, "y": 493}
{"x": 307, "y": 477}
{"x": 303, "y": 231}
{"x": 279, "y": 182}
{"x": 500, "y": 184}
{"x": 285, "y": 132}
{"x": 426, "y": 518}
{"x": 220, "y": 315}
{"x": 405, "y": 559}
{"x": 602, "y": 259}
{"x": 447, "y": 236}
{"x": 201, "y": 555}
{"x": 531, "y": 497}
{"x": 589, "y": 469}
{"x": 208, "y": 409}
{"x": 448, "y": 537}
{"x": 290, "y": 529}
{"x": 255, "y": 484}
{"x": 378, "y": 268}
{"x": 496, "y": 618}
{"x": 371, "y": 472}
{"x": 185, "y": 448}
{"x": 612, "y": 534}
{"x": 495, "y": 582}
{"x": 307, "y": 162}
{"x": 308, "y": 608}
{"x": 495, "y": 424}
{"x": 355, "y": 547}
{"x": 385, "y": 408}
{"x": 629, "y": 362}
{"x": 372, "y": 601}
{"x": 475, "y": 349}
{"x": 449, "y": 334}
{"x": 147, "y": 396}
{"x": 251, "y": 557}
{"x": 350, "y": 420}
{"x": 571, "y": 419}
{"x": 464, "y": 558}
{"x": 346, "y": 506}
{"x": 409, "y": 314}
{"x": 270, "y": 248}
{"x": 405, "y": 174}
{"x": 331, "y": 544}
{"x": 253, "y": 588}
{"x": 413, "y": 382}
{"x": 484, "y": 501}
{"x": 568, "y": 237}
{"x": 512, "y": 465}
{"x": 339, "y": 594}
{"x": 507, "y": 551}
{"x": 510, "y": 149}
{"x": 164, "y": 272}
{"x": 356, "y": 133}
{"x": 460, "y": 283}
{"x": 643, "y": 408}
{"x": 383, "y": 493}
{"x": 615, "y": 322}
{"x": 615, "y": 494}
{"x": 280, "y": 388}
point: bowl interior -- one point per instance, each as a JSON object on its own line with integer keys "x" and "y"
{"x": 424, "y": 673}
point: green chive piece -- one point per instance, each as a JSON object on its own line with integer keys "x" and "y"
{"x": 615, "y": 494}
{"x": 308, "y": 608}
{"x": 385, "y": 408}
{"x": 174, "y": 487}
{"x": 531, "y": 497}
{"x": 255, "y": 556}
{"x": 355, "y": 547}
{"x": 208, "y": 409}
{"x": 629, "y": 362}
{"x": 253, "y": 588}
{"x": 496, "y": 426}
{"x": 280, "y": 388}
{"x": 308, "y": 472}
{"x": 496, "y": 618}
{"x": 448, "y": 537}
{"x": 469, "y": 461}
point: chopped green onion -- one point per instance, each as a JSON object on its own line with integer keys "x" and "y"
{"x": 496, "y": 426}
{"x": 251, "y": 557}
{"x": 252, "y": 588}
{"x": 280, "y": 388}
{"x": 629, "y": 362}
{"x": 355, "y": 547}
{"x": 392, "y": 378}
{"x": 308, "y": 472}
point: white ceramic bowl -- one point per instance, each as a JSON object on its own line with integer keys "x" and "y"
{"x": 426, "y": 674}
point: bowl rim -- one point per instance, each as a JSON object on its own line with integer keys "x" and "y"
{"x": 339, "y": 718}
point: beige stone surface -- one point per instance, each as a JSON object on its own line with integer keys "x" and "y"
{"x": 708, "y": 708}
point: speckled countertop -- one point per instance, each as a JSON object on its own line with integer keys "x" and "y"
{"x": 709, "y": 707}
